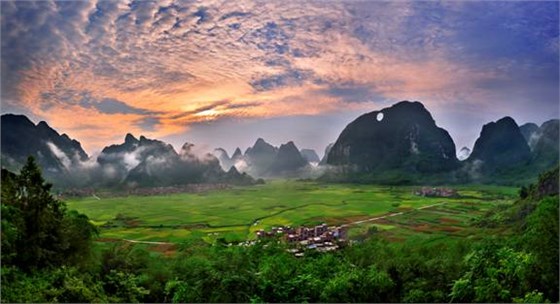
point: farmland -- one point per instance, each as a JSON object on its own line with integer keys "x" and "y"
{"x": 235, "y": 214}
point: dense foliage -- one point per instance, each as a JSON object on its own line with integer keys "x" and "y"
{"x": 46, "y": 257}
{"x": 37, "y": 231}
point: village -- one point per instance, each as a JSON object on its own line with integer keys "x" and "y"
{"x": 322, "y": 238}
{"x": 436, "y": 192}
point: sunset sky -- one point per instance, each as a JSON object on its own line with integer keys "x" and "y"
{"x": 222, "y": 74}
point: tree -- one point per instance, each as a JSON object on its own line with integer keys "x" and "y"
{"x": 11, "y": 220}
{"x": 495, "y": 274}
{"x": 541, "y": 239}
{"x": 36, "y": 230}
{"x": 42, "y": 215}
{"x": 77, "y": 232}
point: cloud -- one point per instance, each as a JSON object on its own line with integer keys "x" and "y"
{"x": 353, "y": 93}
{"x": 61, "y": 156}
{"x": 162, "y": 66}
{"x": 148, "y": 123}
{"x": 290, "y": 78}
{"x": 130, "y": 159}
{"x": 112, "y": 106}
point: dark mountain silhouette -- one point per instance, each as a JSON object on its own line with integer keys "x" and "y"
{"x": 260, "y": 157}
{"x": 135, "y": 162}
{"x": 176, "y": 169}
{"x": 402, "y": 138}
{"x": 151, "y": 163}
{"x": 287, "y": 160}
{"x": 264, "y": 160}
{"x": 310, "y": 155}
{"x": 500, "y": 145}
{"x": 399, "y": 144}
{"x": 21, "y": 138}
{"x": 120, "y": 159}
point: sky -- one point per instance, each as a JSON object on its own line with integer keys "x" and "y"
{"x": 223, "y": 73}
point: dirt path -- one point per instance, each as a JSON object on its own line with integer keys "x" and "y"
{"x": 293, "y": 208}
{"x": 148, "y": 242}
{"x": 389, "y": 215}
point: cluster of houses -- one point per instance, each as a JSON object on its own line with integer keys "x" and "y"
{"x": 436, "y": 192}
{"x": 321, "y": 238}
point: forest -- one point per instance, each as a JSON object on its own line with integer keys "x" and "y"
{"x": 49, "y": 255}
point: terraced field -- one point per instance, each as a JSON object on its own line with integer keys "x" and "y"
{"x": 235, "y": 214}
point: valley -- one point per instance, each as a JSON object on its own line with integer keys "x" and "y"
{"x": 235, "y": 214}
{"x": 151, "y": 223}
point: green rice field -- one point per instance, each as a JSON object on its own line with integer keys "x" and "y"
{"x": 235, "y": 214}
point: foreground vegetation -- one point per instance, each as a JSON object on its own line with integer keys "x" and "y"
{"x": 518, "y": 265}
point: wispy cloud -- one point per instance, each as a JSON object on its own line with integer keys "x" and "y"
{"x": 113, "y": 106}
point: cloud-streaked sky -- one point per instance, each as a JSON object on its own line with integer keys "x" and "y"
{"x": 223, "y": 73}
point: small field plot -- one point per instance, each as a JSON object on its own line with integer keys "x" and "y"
{"x": 235, "y": 214}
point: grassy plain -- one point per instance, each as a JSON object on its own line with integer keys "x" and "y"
{"x": 235, "y": 214}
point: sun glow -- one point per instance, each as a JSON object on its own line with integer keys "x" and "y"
{"x": 211, "y": 113}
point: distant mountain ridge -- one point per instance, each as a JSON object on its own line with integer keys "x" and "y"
{"x": 402, "y": 144}
{"x": 397, "y": 144}
{"x": 265, "y": 160}
{"x": 136, "y": 162}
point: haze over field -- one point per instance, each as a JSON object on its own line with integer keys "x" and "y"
{"x": 222, "y": 74}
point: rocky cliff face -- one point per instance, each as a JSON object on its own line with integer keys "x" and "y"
{"x": 402, "y": 137}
